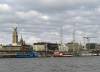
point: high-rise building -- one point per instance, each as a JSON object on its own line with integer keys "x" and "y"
{"x": 15, "y": 37}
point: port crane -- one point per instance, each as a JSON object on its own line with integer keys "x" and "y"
{"x": 88, "y": 38}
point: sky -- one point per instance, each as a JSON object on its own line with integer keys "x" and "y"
{"x": 42, "y": 20}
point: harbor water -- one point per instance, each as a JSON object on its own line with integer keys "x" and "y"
{"x": 67, "y": 64}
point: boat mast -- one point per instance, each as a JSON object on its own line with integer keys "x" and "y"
{"x": 73, "y": 41}
{"x": 61, "y": 38}
{"x": 74, "y": 30}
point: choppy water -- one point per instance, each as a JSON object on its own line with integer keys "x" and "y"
{"x": 72, "y": 64}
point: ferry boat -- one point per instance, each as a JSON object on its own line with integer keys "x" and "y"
{"x": 26, "y": 55}
{"x": 61, "y": 54}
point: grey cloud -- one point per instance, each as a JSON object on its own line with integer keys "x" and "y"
{"x": 30, "y": 16}
{"x": 52, "y": 5}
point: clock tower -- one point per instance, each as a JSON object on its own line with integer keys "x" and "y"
{"x": 15, "y": 37}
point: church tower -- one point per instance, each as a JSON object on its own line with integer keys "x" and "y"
{"x": 21, "y": 42}
{"x": 15, "y": 37}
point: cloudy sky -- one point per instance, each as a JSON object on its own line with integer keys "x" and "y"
{"x": 42, "y": 20}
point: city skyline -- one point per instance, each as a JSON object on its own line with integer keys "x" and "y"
{"x": 41, "y": 20}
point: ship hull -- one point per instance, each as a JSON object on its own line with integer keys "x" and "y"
{"x": 19, "y": 55}
{"x": 26, "y": 55}
{"x": 61, "y": 54}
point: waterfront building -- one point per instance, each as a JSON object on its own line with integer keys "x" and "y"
{"x": 97, "y": 46}
{"x": 74, "y": 47}
{"x": 0, "y": 46}
{"x": 39, "y": 46}
{"x": 63, "y": 48}
{"x": 91, "y": 46}
{"x": 44, "y": 48}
